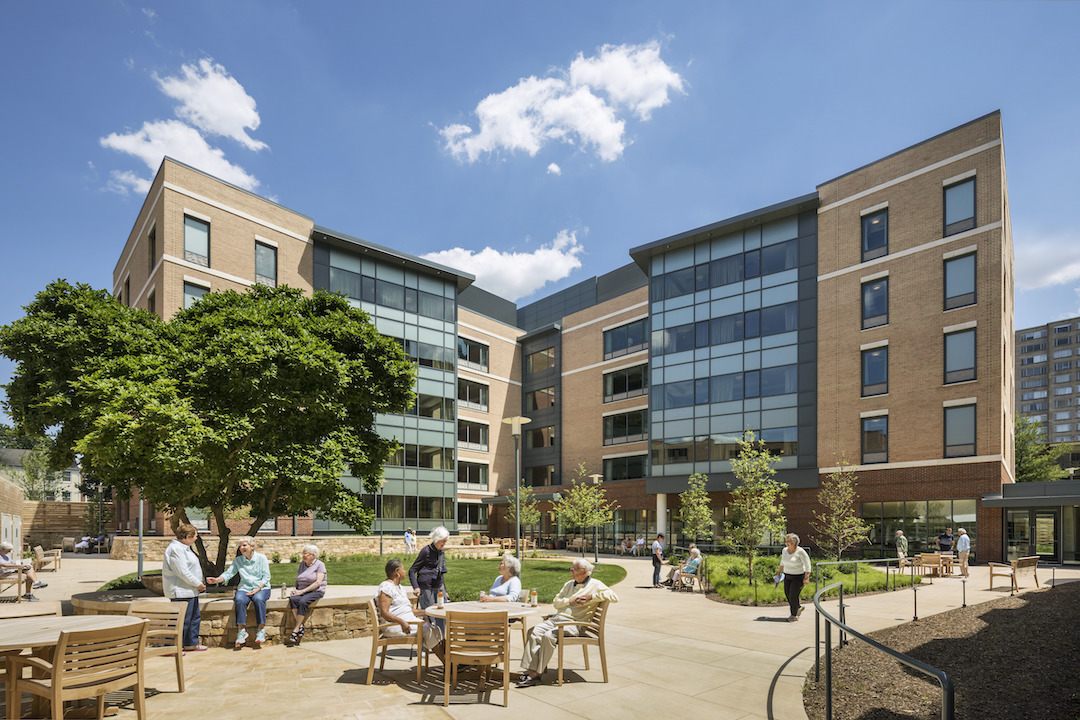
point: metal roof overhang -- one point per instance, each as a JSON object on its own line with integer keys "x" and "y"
{"x": 1035, "y": 494}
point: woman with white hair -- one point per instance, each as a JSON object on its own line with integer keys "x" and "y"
{"x": 9, "y": 564}
{"x": 254, "y": 588}
{"x": 690, "y": 566}
{"x": 427, "y": 571}
{"x": 310, "y": 586}
{"x": 507, "y": 586}
{"x": 795, "y": 564}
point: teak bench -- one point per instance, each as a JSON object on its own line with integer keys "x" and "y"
{"x": 1012, "y": 570}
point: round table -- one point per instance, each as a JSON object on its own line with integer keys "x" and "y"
{"x": 513, "y": 609}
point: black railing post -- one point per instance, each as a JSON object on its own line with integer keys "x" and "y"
{"x": 817, "y": 643}
{"x": 964, "y": 581}
{"x": 857, "y": 579}
{"x": 843, "y": 619}
{"x": 828, "y": 670}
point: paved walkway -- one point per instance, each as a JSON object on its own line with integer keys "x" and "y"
{"x": 725, "y": 662}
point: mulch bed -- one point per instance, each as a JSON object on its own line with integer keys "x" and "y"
{"x": 1014, "y": 657}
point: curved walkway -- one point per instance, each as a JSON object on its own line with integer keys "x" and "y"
{"x": 723, "y": 661}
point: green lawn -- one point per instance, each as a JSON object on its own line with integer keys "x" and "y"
{"x": 464, "y": 581}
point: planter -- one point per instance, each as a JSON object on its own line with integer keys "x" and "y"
{"x": 467, "y": 541}
{"x": 153, "y": 584}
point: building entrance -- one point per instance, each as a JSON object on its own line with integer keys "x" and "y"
{"x": 1033, "y": 531}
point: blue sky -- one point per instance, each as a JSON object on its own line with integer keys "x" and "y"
{"x": 532, "y": 144}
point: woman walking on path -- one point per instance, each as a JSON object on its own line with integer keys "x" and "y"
{"x": 795, "y": 564}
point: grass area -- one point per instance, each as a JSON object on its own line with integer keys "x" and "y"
{"x": 464, "y": 581}
{"x": 728, "y": 576}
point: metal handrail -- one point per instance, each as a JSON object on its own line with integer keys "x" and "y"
{"x": 947, "y": 691}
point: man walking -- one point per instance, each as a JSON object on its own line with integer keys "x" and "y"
{"x": 657, "y": 559}
{"x": 901, "y": 547}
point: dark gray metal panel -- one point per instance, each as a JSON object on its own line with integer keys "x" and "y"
{"x": 808, "y": 226}
{"x": 619, "y": 282}
{"x": 488, "y": 305}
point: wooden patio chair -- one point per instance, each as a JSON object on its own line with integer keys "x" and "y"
{"x": 476, "y": 638}
{"x": 164, "y": 631}
{"x": 15, "y": 612}
{"x": 43, "y": 558}
{"x": 68, "y": 544}
{"x": 378, "y": 640}
{"x": 591, "y": 633}
{"x": 86, "y": 664}
{"x": 687, "y": 578}
{"x": 15, "y": 578}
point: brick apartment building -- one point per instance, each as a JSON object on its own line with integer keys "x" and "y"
{"x": 869, "y": 321}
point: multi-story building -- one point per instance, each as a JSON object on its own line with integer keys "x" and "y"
{"x": 868, "y": 323}
{"x": 1048, "y": 378}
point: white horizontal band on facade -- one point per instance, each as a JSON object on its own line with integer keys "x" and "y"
{"x": 874, "y": 345}
{"x": 238, "y": 213}
{"x": 188, "y": 212}
{"x": 463, "y": 454}
{"x": 958, "y": 327}
{"x": 957, "y": 178}
{"x": 873, "y": 413}
{"x": 197, "y": 281}
{"x": 487, "y": 376}
{"x": 959, "y": 402}
{"x": 615, "y": 456}
{"x": 911, "y": 251}
{"x": 874, "y": 208}
{"x": 959, "y": 252}
{"x": 975, "y": 459}
{"x": 639, "y": 356}
{"x": 488, "y": 333}
{"x": 913, "y": 174}
{"x": 875, "y": 276}
{"x": 266, "y": 241}
{"x": 622, "y": 411}
{"x": 602, "y": 318}
{"x": 208, "y": 271}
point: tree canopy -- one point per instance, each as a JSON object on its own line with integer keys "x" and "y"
{"x": 695, "y": 512}
{"x": 838, "y": 525}
{"x": 585, "y": 504}
{"x": 257, "y": 400}
{"x": 755, "y": 509}
{"x": 1036, "y": 461}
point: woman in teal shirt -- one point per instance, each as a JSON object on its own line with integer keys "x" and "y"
{"x": 254, "y": 588}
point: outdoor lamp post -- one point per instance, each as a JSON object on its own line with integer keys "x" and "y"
{"x": 596, "y": 478}
{"x": 515, "y": 424}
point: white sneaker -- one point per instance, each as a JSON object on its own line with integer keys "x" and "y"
{"x": 241, "y": 637}
{"x": 260, "y": 637}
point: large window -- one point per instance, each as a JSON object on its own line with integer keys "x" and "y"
{"x": 875, "y": 371}
{"x": 875, "y": 235}
{"x": 625, "y": 468}
{"x": 626, "y": 383}
{"x": 540, "y": 437}
{"x": 265, "y": 264}
{"x": 625, "y": 427}
{"x": 196, "y": 241}
{"x": 539, "y": 399}
{"x": 772, "y": 258}
{"x": 472, "y": 354}
{"x": 960, "y": 282}
{"x": 470, "y": 473}
{"x": 540, "y": 476}
{"x": 539, "y": 361}
{"x": 626, "y": 339}
{"x": 192, "y": 293}
{"x": 433, "y": 406}
{"x": 960, "y": 431}
{"x": 960, "y": 207}
{"x": 960, "y": 356}
{"x": 472, "y": 394}
{"x": 771, "y": 320}
{"x": 472, "y": 435}
{"x": 471, "y": 513}
{"x": 875, "y": 303}
{"x": 875, "y": 439}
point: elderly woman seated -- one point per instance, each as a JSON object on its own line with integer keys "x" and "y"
{"x": 310, "y": 587}
{"x": 9, "y": 564}
{"x": 254, "y": 588}
{"x": 690, "y": 566}
{"x": 507, "y": 585}
{"x": 394, "y": 607}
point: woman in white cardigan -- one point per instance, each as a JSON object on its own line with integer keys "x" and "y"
{"x": 795, "y": 564}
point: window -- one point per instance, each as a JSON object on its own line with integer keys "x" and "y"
{"x": 960, "y": 356}
{"x": 470, "y": 513}
{"x": 1028, "y": 372}
{"x": 540, "y": 399}
{"x": 875, "y": 235}
{"x": 472, "y": 394}
{"x": 1037, "y": 382}
{"x": 265, "y": 264}
{"x": 469, "y": 473}
{"x": 151, "y": 303}
{"x": 1063, "y": 390}
{"x": 1034, "y": 335}
{"x": 960, "y": 207}
{"x": 960, "y": 431}
{"x": 540, "y": 437}
{"x": 1059, "y": 403}
{"x": 778, "y": 319}
{"x": 625, "y": 468}
{"x": 1062, "y": 353}
{"x": 433, "y": 406}
{"x": 626, "y": 339}
{"x": 1032, "y": 347}
{"x": 540, "y": 476}
{"x": 875, "y": 371}
{"x": 1058, "y": 342}
{"x": 960, "y": 282}
{"x": 779, "y": 257}
{"x": 625, "y": 427}
{"x": 875, "y": 303}
{"x": 875, "y": 439}
{"x": 626, "y": 383}
{"x": 472, "y": 354}
{"x": 196, "y": 241}
{"x": 127, "y": 291}
{"x": 539, "y": 361}
{"x": 151, "y": 246}
{"x": 1058, "y": 379}
{"x": 1058, "y": 329}
{"x": 472, "y": 435}
{"x": 679, "y": 282}
{"x": 192, "y": 293}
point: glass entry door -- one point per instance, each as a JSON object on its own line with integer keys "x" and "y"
{"x": 1032, "y": 531}
{"x": 1044, "y": 533}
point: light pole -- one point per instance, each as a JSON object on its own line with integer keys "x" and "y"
{"x": 515, "y": 424}
{"x": 378, "y": 511}
{"x": 596, "y": 478}
{"x": 140, "y": 533}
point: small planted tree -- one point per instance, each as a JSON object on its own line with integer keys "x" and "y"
{"x": 695, "y": 513}
{"x": 584, "y": 505}
{"x": 755, "y": 508}
{"x": 523, "y": 500}
{"x": 838, "y": 527}
{"x": 35, "y": 478}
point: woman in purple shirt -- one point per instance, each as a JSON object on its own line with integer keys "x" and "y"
{"x": 310, "y": 586}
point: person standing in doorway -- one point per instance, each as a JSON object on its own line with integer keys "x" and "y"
{"x": 945, "y": 541}
{"x": 182, "y": 581}
{"x": 657, "y": 559}
{"x": 963, "y": 549}
{"x": 901, "y": 547}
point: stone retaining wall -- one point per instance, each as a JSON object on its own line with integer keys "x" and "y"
{"x": 126, "y": 547}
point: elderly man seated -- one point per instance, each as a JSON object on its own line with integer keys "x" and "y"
{"x": 9, "y": 564}
{"x": 575, "y": 602}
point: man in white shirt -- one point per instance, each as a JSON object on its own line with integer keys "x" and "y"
{"x": 657, "y": 558}
{"x": 963, "y": 549}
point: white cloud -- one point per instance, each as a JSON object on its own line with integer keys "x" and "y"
{"x": 122, "y": 182}
{"x": 183, "y": 142}
{"x": 554, "y": 169}
{"x": 1047, "y": 261}
{"x": 514, "y": 275}
{"x": 569, "y": 106}
{"x": 150, "y": 14}
{"x": 213, "y": 101}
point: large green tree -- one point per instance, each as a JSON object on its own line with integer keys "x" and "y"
{"x": 755, "y": 509}
{"x": 585, "y": 505}
{"x": 33, "y": 475}
{"x": 258, "y": 400}
{"x": 838, "y": 525}
{"x": 695, "y": 512}
{"x": 1036, "y": 461}
{"x": 12, "y": 438}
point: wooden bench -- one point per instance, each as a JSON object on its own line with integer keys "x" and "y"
{"x": 1012, "y": 570}
{"x": 43, "y": 558}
